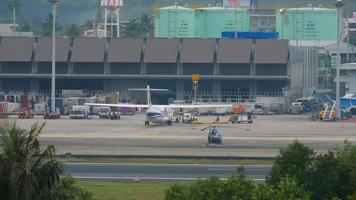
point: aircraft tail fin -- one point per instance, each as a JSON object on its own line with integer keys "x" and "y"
{"x": 149, "y": 90}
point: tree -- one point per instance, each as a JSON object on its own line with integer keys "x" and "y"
{"x": 294, "y": 161}
{"x": 262, "y": 192}
{"x": 68, "y": 190}
{"x": 25, "y": 27}
{"x": 206, "y": 189}
{"x": 72, "y": 30}
{"x": 289, "y": 189}
{"x": 15, "y": 3}
{"x": 88, "y": 25}
{"x": 46, "y": 26}
{"x": 326, "y": 177}
{"x": 238, "y": 186}
{"x": 140, "y": 27}
{"x": 27, "y": 171}
{"x": 178, "y": 192}
{"x": 347, "y": 159}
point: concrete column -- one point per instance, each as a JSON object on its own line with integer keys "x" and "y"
{"x": 106, "y": 60}
{"x": 34, "y": 68}
{"x": 253, "y": 87}
{"x": 143, "y": 64}
{"x": 217, "y": 90}
{"x": 34, "y": 85}
{"x": 143, "y": 69}
{"x": 253, "y": 64}
{"x": 71, "y": 68}
{"x": 179, "y": 69}
{"x": 216, "y": 65}
{"x": 106, "y": 68}
{"x": 179, "y": 89}
{"x": 179, "y": 64}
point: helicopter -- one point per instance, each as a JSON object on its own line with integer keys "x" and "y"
{"x": 214, "y": 136}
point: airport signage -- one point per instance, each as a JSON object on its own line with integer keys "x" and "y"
{"x": 250, "y": 35}
{"x": 237, "y": 3}
{"x": 231, "y": 3}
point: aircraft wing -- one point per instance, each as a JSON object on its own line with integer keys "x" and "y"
{"x": 124, "y": 105}
{"x": 195, "y": 106}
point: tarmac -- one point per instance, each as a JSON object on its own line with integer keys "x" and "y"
{"x": 129, "y": 137}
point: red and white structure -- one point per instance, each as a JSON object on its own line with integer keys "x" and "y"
{"x": 112, "y": 11}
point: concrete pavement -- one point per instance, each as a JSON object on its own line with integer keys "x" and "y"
{"x": 129, "y": 136}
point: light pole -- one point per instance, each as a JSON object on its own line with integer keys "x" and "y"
{"x": 282, "y": 11}
{"x": 53, "y": 81}
{"x": 14, "y": 16}
{"x": 195, "y": 79}
{"x": 338, "y": 4}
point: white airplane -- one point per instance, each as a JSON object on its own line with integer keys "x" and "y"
{"x": 157, "y": 114}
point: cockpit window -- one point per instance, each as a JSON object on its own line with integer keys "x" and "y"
{"x": 151, "y": 114}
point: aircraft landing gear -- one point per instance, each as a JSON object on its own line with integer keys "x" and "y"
{"x": 147, "y": 123}
{"x": 169, "y": 123}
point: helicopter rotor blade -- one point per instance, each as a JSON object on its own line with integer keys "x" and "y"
{"x": 205, "y": 128}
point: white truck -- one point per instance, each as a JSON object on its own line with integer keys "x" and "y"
{"x": 80, "y": 112}
{"x": 104, "y": 112}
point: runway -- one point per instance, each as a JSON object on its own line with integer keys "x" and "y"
{"x": 130, "y": 137}
{"x": 159, "y": 172}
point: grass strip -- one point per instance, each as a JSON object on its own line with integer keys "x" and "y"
{"x": 107, "y": 190}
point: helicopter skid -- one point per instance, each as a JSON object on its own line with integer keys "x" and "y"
{"x": 217, "y": 145}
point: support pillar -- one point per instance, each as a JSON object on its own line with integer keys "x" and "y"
{"x": 179, "y": 69}
{"x": 216, "y": 69}
{"x": 217, "y": 90}
{"x": 118, "y": 22}
{"x": 143, "y": 64}
{"x": 253, "y": 87}
{"x": 71, "y": 68}
{"x": 34, "y": 68}
{"x": 106, "y": 68}
{"x": 143, "y": 69}
{"x": 106, "y": 61}
{"x": 106, "y": 12}
{"x": 179, "y": 64}
{"x": 253, "y": 64}
{"x": 180, "y": 90}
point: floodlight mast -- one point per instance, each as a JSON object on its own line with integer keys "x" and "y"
{"x": 53, "y": 77}
{"x": 338, "y": 4}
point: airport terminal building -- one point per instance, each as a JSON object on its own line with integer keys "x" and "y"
{"x": 227, "y": 66}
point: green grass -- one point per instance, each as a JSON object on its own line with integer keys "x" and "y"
{"x": 169, "y": 161}
{"x": 125, "y": 191}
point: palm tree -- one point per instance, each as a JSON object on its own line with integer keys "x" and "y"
{"x": 27, "y": 171}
